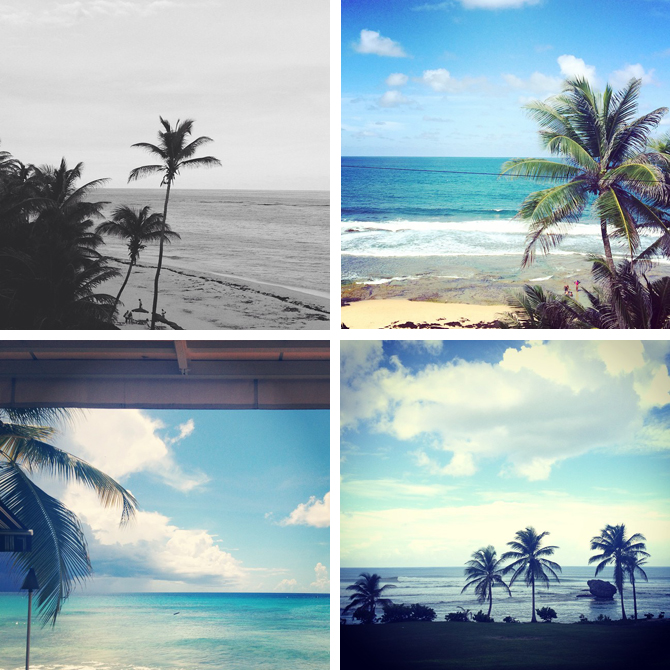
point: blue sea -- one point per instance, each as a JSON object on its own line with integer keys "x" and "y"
{"x": 235, "y": 631}
{"x": 280, "y": 238}
{"x": 402, "y": 219}
{"x": 440, "y": 588}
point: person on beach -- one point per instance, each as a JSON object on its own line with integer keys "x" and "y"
{"x": 566, "y": 289}
{"x": 577, "y": 286}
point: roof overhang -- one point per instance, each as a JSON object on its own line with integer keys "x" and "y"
{"x": 167, "y": 374}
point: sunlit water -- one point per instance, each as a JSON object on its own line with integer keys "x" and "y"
{"x": 142, "y": 631}
{"x": 440, "y": 588}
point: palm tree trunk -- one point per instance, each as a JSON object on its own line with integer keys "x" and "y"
{"x": 125, "y": 281}
{"x": 160, "y": 258}
{"x": 533, "y": 619}
{"x": 608, "y": 247}
{"x": 632, "y": 579}
{"x": 490, "y": 599}
{"x": 619, "y": 581}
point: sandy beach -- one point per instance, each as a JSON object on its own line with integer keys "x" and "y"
{"x": 403, "y": 313}
{"x": 202, "y": 301}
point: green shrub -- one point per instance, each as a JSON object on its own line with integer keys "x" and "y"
{"x": 399, "y": 613}
{"x": 603, "y": 618}
{"x": 649, "y": 615}
{"x": 480, "y": 617}
{"x": 583, "y": 619}
{"x": 464, "y": 615}
{"x": 546, "y": 614}
{"x": 510, "y": 619}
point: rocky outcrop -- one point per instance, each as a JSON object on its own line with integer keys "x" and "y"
{"x": 601, "y": 590}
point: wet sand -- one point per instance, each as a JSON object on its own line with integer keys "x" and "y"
{"x": 203, "y": 301}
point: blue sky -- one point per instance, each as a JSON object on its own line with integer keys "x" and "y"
{"x": 230, "y": 500}
{"x": 451, "y": 446}
{"x": 450, "y": 78}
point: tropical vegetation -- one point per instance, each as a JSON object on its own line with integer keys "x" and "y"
{"x": 138, "y": 228}
{"x": 59, "y": 553}
{"x": 529, "y": 560}
{"x": 621, "y": 552}
{"x": 367, "y": 595}
{"x": 633, "y": 567}
{"x": 399, "y": 613}
{"x": 174, "y": 152}
{"x": 485, "y": 572}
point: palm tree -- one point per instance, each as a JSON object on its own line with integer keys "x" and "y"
{"x": 59, "y": 554}
{"x": 139, "y": 228}
{"x": 529, "y": 560}
{"x": 367, "y": 595}
{"x": 632, "y": 566}
{"x": 484, "y": 570}
{"x": 602, "y": 147}
{"x": 175, "y": 154}
{"x": 618, "y": 551}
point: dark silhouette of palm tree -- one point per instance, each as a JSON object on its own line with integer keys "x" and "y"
{"x": 138, "y": 228}
{"x": 485, "y": 571}
{"x": 59, "y": 554}
{"x": 616, "y": 550}
{"x": 605, "y": 160}
{"x": 529, "y": 560}
{"x": 367, "y": 595}
{"x": 633, "y": 566}
{"x": 175, "y": 153}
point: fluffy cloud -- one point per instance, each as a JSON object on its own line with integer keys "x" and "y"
{"x": 321, "y": 579}
{"x": 397, "y": 79}
{"x": 407, "y": 536}
{"x": 619, "y": 78}
{"x": 476, "y": 4}
{"x": 121, "y": 442}
{"x": 538, "y": 83}
{"x": 152, "y": 545}
{"x": 371, "y": 42}
{"x": 441, "y": 81}
{"x": 573, "y": 67}
{"x": 393, "y": 99}
{"x": 541, "y": 404}
{"x": 314, "y": 512}
{"x": 286, "y": 585}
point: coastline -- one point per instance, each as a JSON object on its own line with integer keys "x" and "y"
{"x": 198, "y": 300}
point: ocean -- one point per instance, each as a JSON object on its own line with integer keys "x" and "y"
{"x": 280, "y": 238}
{"x": 440, "y": 588}
{"x": 235, "y": 631}
{"x": 400, "y": 224}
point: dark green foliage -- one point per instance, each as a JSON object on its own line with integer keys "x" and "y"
{"x": 462, "y": 616}
{"x": 485, "y": 571}
{"x": 367, "y": 594}
{"x": 50, "y": 266}
{"x": 649, "y": 615}
{"x": 583, "y": 619}
{"x": 480, "y": 617}
{"x": 546, "y": 614}
{"x": 400, "y": 613}
{"x": 603, "y": 618}
{"x": 510, "y": 619}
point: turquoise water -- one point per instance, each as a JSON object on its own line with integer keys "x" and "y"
{"x": 279, "y": 237}
{"x": 440, "y": 588}
{"x": 234, "y": 631}
{"x": 404, "y": 217}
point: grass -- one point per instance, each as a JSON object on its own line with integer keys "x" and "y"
{"x": 500, "y": 646}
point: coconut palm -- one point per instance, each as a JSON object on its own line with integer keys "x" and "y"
{"x": 633, "y": 566}
{"x": 367, "y": 595}
{"x": 604, "y": 160}
{"x": 484, "y": 571}
{"x": 59, "y": 554}
{"x": 529, "y": 560}
{"x": 616, "y": 550}
{"x": 175, "y": 153}
{"x": 138, "y": 228}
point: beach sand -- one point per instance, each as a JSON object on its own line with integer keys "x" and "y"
{"x": 202, "y": 301}
{"x": 403, "y": 313}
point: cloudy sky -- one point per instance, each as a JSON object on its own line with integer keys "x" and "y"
{"x": 449, "y": 78}
{"x": 85, "y": 79}
{"x": 230, "y": 500}
{"x": 451, "y": 446}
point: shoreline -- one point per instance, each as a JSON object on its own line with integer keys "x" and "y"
{"x": 202, "y": 300}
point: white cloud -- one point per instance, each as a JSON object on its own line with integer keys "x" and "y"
{"x": 312, "y": 513}
{"x": 573, "y": 67}
{"x": 397, "y": 79}
{"x": 433, "y": 347}
{"x": 441, "y": 81}
{"x": 371, "y": 42}
{"x": 321, "y": 579}
{"x": 380, "y": 489}
{"x": 539, "y": 405}
{"x": 393, "y": 99}
{"x": 538, "y": 83}
{"x": 286, "y": 585}
{"x": 497, "y": 4}
{"x": 619, "y": 78}
{"x": 122, "y": 442}
{"x": 151, "y": 544}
